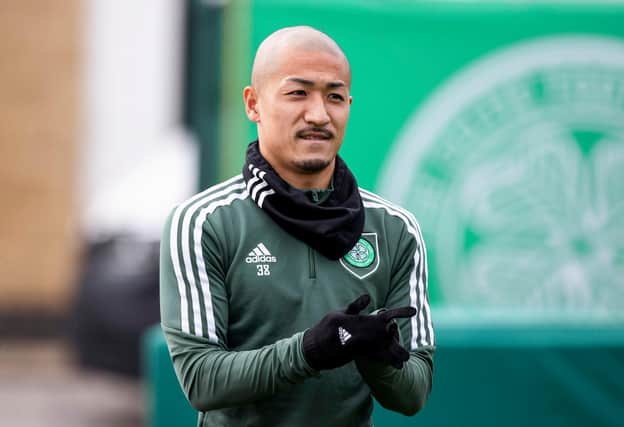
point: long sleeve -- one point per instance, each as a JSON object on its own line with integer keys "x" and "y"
{"x": 406, "y": 390}
{"x": 194, "y": 315}
{"x": 403, "y": 390}
{"x": 214, "y": 378}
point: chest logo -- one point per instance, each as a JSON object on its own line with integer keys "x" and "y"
{"x": 362, "y": 254}
{"x": 260, "y": 254}
{"x": 363, "y": 259}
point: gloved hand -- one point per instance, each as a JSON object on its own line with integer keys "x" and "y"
{"x": 342, "y": 336}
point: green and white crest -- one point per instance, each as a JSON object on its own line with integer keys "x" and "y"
{"x": 362, "y": 254}
{"x": 515, "y": 168}
{"x": 363, "y": 259}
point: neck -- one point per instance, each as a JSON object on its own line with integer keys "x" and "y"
{"x": 312, "y": 181}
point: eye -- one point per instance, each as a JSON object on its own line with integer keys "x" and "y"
{"x": 298, "y": 92}
{"x": 336, "y": 97}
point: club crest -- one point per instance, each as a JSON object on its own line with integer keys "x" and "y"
{"x": 363, "y": 259}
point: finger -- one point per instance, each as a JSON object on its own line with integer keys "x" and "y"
{"x": 393, "y": 330}
{"x": 398, "y": 351}
{"x": 398, "y": 365}
{"x": 399, "y": 355}
{"x": 358, "y": 305}
{"x": 394, "y": 355}
{"x": 398, "y": 312}
{"x": 389, "y": 359}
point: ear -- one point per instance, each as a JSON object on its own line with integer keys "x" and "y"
{"x": 250, "y": 97}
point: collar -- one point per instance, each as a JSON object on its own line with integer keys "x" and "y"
{"x": 332, "y": 225}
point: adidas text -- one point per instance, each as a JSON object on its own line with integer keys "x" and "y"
{"x": 252, "y": 259}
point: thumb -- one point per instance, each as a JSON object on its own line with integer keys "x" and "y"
{"x": 399, "y": 354}
{"x": 358, "y": 305}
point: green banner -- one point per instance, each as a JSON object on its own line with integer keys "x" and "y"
{"x": 500, "y": 126}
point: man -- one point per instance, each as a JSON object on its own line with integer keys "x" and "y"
{"x": 289, "y": 296}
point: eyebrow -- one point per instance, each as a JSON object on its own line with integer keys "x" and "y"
{"x": 306, "y": 82}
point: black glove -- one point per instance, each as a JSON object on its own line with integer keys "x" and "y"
{"x": 342, "y": 336}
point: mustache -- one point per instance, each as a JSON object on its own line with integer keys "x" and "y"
{"x": 313, "y": 129}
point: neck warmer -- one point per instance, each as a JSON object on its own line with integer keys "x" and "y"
{"x": 332, "y": 227}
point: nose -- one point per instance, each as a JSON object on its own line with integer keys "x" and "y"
{"x": 316, "y": 111}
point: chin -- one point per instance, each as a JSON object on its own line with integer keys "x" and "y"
{"x": 312, "y": 165}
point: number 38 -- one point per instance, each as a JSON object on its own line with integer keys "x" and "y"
{"x": 263, "y": 270}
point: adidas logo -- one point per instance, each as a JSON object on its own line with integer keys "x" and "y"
{"x": 344, "y": 335}
{"x": 260, "y": 254}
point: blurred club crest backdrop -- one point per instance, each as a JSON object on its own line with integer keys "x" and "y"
{"x": 515, "y": 168}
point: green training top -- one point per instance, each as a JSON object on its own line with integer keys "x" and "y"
{"x": 237, "y": 292}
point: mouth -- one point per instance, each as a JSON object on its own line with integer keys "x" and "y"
{"x": 315, "y": 134}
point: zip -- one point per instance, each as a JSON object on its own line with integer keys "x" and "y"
{"x": 311, "y": 263}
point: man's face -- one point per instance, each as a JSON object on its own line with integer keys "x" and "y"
{"x": 302, "y": 108}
